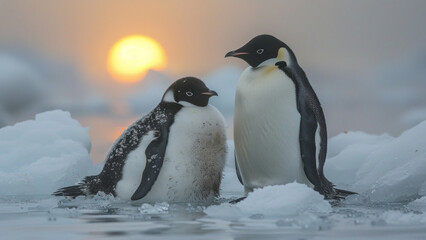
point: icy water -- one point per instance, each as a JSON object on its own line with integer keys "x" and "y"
{"x": 46, "y": 217}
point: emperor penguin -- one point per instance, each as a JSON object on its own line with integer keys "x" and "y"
{"x": 176, "y": 153}
{"x": 279, "y": 126}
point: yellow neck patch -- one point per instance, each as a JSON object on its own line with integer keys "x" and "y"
{"x": 280, "y": 57}
{"x": 268, "y": 69}
{"x": 281, "y": 54}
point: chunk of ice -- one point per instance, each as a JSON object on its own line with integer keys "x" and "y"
{"x": 39, "y": 156}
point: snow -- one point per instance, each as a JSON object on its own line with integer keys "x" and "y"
{"x": 384, "y": 169}
{"x": 157, "y": 208}
{"x": 381, "y": 168}
{"x": 347, "y": 152}
{"x": 38, "y": 156}
{"x": 418, "y": 205}
{"x": 347, "y": 140}
{"x": 290, "y": 200}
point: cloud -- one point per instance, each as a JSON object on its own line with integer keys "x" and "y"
{"x": 30, "y": 84}
{"x": 22, "y": 89}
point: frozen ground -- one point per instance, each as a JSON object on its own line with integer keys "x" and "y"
{"x": 388, "y": 173}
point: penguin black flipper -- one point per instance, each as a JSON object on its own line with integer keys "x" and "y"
{"x": 112, "y": 172}
{"x": 154, "y": 161}
{"x": 156, "y": 150}
{"x": 237, "y": 169}
{"x": 317, "y": 119}
{"x": 312, "y": 117}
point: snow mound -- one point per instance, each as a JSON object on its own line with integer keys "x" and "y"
{"x": 384, "y": 169}
{"x": 418, "y": 205}
{"x": 347, "y": 152}
{"x": 290, "y": 200}
{"x": 38, "y": 156}
{"x": 346, "y": 140}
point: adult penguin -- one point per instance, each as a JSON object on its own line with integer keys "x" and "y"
{"x": 279, "y": 126}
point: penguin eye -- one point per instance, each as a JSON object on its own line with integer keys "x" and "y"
{"x": 260, "y": 51}
{"x": 189, "y": 94}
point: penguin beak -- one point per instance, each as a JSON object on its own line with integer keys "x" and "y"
{"x": 210, "y": 93}
{"x": 235, "y": 53}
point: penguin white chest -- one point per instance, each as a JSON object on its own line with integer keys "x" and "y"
{"x": 193, "y": 162}
{"x": 266, "y": 128}
{"x": 195, "y": 156}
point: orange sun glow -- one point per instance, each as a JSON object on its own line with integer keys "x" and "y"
{"x": 131, "y": 57}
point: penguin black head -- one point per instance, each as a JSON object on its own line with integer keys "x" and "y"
{"x": 262, "y": 48}
{"x": 189, "y": 89}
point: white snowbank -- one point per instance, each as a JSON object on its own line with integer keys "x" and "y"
{"x": 418, "y": 205}
{"x": 38, "y": 156}
{"x": 383, "y": 168}
{"x": 347, "y": 152}
{"x": 290, "y": 200}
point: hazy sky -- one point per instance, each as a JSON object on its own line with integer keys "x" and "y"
{"x": 339, "y": 43}
{"x": 339, "y": 35}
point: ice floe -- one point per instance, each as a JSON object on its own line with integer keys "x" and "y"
{"x": 38, "y": 156}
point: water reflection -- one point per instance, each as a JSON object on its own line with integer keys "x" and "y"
{"x": 106, "y": 217}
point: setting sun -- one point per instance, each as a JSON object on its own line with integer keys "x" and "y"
{"x": 131, "y": 57}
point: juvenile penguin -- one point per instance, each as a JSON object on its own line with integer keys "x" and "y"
{"x": 176, "y": 153}
{"x": 279, "y": 126}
